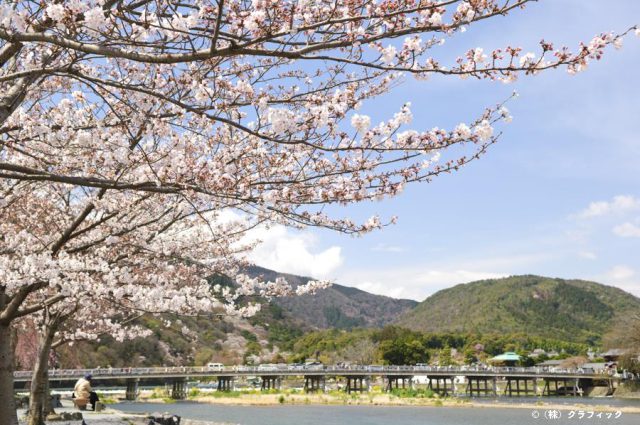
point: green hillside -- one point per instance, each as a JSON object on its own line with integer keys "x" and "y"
{"x": 571, "y": 310}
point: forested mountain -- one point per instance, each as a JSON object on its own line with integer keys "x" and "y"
{"x": 338, "y": 306}
{"x": 571, "y": 310}
{"x": 498, "y": 313}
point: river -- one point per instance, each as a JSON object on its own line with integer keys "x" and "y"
{"x": 386, "y": 415}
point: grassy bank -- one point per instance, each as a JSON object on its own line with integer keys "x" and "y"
{"x": 415, "y": 398}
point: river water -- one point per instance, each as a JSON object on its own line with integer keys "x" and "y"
{"x": 386, "y": 415}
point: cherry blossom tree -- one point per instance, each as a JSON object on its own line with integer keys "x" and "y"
{"x": 241, "y": 103}
{"x": 128, "y": 129}
{"x": 64, "y": 249}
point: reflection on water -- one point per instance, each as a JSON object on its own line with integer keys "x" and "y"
{"x": 384, "y": 415}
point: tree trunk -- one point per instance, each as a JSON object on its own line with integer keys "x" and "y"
{"x": 48, "y": 405}
{"x": 40, "y": 379}
{"x": 8, "y": 415}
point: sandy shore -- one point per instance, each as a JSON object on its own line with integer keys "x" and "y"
{"x": 390, "y": 400}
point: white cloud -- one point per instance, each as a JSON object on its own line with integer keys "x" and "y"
{"x": 413, "y": 283}
{"x": 289, "y": 251}
{"x": 621, "y": 273}
{"x": 627, "y": 230}
{"x": 381, "y": 288}
{"x": 618, "y": 205}
{"x": 623, "y": 277}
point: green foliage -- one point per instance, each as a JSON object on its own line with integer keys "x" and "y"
{"x": 527, "y": 361}
{"x": 470, "y": 356}
{"x": 104, "y": 399}
{"x": 283, "y": 335}
{"x": 225, "y": 394}
{"x": 203, "y": 355}
{"x": 248, "y": 336}
{"x": 444, "y": 357}
{"x": 159, "y": 392}
{"x": 282, "y": 330}
{"x": 397, "y": 345}
{"x": 407, "y": 351}
{"x": 253, "y": 348}
{"x": 413, "y": 393}
{"x": 542, "y": 358}
{"x": 337, "y": 319}
{"x": 313, "y": 344}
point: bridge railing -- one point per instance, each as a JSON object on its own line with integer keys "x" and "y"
{"x": 302, "y": 369}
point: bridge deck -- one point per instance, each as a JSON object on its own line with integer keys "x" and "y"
{"x": 107, "y": 374}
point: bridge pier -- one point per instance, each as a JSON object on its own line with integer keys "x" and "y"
{"x": 179, "y": 389}
{"x": 132, "y": 389}
{"x": 399, "y": 382}
{"x": 524, "y": 389}
{"x": 570, "y": 387}
{"x": 225, "y": 383}
{"x": 313, "y": 383}
{"x": 355, "y": 384}
{"x": 489, "y": 386}
{"x": 447, "y": 388}
{"x": 270, "y": 383}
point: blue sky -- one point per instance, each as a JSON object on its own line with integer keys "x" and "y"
{"x": 558, "y": 196}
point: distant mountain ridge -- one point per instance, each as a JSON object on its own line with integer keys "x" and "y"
{"x": 338, "y": 306}
{"x": 574, "y": 310}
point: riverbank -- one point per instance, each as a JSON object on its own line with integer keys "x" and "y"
{"x": 336, "y": 398}
{"x": 108, "y": 416}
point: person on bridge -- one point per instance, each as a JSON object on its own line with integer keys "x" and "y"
{"x": 82, "y": 393}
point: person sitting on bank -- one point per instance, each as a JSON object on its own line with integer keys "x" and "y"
{"x": 82, "y": 394}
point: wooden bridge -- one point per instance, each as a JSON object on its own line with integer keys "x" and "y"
{"x": 472, "y": 381}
